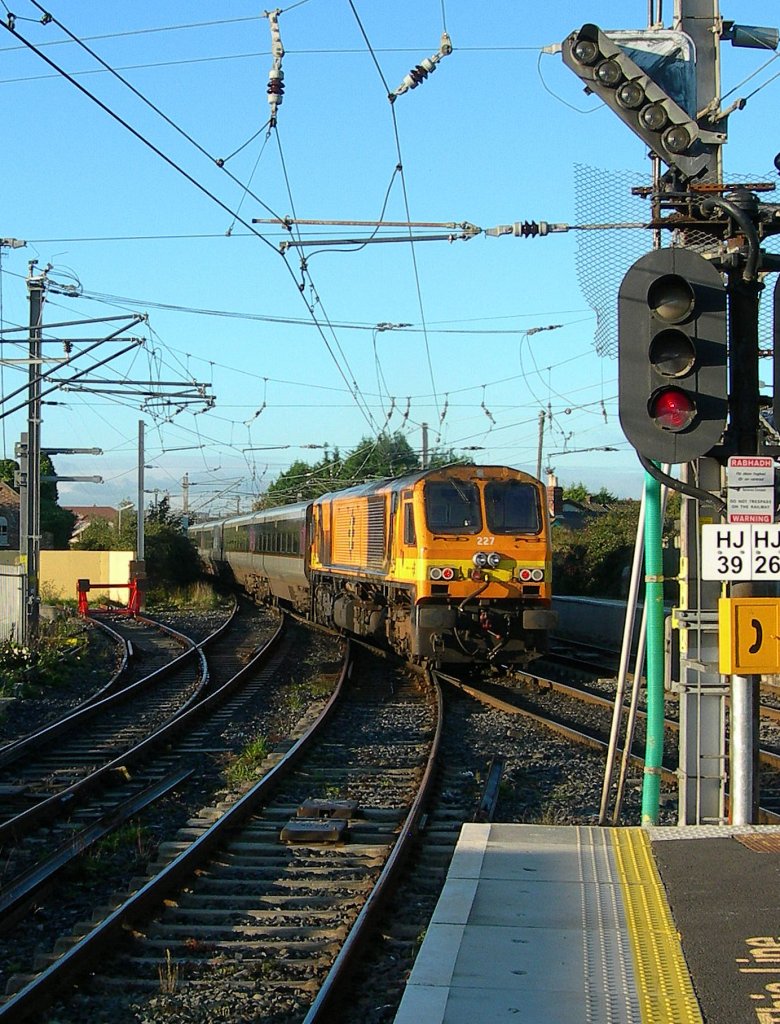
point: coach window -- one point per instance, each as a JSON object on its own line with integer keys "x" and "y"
{"x": 410, "y": 536}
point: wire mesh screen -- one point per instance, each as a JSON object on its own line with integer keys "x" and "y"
{"x": 765, "y": 317}
{"x": 603, "y": 256}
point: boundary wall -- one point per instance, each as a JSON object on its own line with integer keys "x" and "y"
{"x": 60, "y": 570}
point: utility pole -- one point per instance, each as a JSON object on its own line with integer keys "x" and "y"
{"x": 540, "y": 445}
{"x": 185, "y": 494}
{"x": 424, "y": 458}
{"x": 701, "y": 690}
{"x": 31, "y": 511}
{"x": 140, "y": 525}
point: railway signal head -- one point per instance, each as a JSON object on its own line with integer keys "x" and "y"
{"x": 662, "y": 124}
{"x": 673, "y": 389}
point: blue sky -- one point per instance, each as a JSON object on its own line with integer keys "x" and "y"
{"x": 500, "y": 327}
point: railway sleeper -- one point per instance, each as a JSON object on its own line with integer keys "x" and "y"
{"x": 165, "y": 934}
{"x": 255, "y": 903}
{"x": 325, "y": 879}
{"x": 284, "y": 811}
{"x": 191, "y": 943}
{"x": 299, "y": 916}
{"x": 315, "y": 874}
{"x": 152, "y": 983}
{"x": 276, "y": 857}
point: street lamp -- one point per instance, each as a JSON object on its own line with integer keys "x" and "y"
{"x": 125, "y": 503}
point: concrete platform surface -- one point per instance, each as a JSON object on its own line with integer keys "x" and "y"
{"x": 582, "y": 925}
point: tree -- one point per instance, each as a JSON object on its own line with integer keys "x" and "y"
{"x": 298, "y": 483}
{"x": 170, "y": 555}
{"x": 377, "y": 458}
{"x": 604, "y": 497}
{"x": 98, "y": 535}
{"x": 56, "y": 523}
{"x": 8, "y": 469}
{"x": 576, "y": 492}
{"x": 389, "y": 455}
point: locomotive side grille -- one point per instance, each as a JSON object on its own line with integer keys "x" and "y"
{"x": 376, "y": 532}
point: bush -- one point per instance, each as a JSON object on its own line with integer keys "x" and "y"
{"x": 595, "y": 561}
{"x": 23, "y": 667}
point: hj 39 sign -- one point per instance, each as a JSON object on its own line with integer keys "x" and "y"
{"x": 746, "y": 551}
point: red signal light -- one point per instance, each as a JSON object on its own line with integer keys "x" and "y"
{"x": 672, "y": 409}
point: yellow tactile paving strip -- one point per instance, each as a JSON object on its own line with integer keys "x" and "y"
{"x": 662, "y": 979}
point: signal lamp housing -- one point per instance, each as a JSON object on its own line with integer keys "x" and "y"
{"x": 651, "y": 113}
{"x": 673, "y": 391}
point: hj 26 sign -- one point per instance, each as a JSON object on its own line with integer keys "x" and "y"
{"x": 744, "y": 551}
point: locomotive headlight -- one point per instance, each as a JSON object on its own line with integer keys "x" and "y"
{"x": 435, "y": 572}
{"x": 494, "y": 559}
{"x": 480, "y": 560}
{"x": 537, "y": 575}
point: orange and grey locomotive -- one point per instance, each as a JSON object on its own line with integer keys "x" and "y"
{"x": 447, "y": 565}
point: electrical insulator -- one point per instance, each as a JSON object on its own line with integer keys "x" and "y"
{"x": 426, "y": 67}
{"x": 275, "y": 87}
{"x": 419, "y": 74}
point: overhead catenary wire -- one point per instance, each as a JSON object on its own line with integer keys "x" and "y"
{"x": 417, "y": 409}
{"x": 405, "y": 199}
{"x": 202, "y": 188}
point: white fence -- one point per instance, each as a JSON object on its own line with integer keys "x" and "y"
{"x": 13, "y": 602}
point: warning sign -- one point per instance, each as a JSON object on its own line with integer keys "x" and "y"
{"x": 751, "y": 489}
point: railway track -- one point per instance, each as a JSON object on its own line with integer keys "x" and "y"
{"x": 162, "y": 762}
{"x": 44, "y": 777}
{"x": 550, "y": 711}
{"x": 250, "y": 920}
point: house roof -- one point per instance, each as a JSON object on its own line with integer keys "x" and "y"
{"x": 90, "y": 512}
{"x": 8, "y": 496}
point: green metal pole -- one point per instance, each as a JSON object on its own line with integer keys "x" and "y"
{"x": 654, "y": 602}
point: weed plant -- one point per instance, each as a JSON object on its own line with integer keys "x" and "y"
{"x": 246, "y": 766}
{"x": 45, "y": 660}
{"x": 198, "y": 596}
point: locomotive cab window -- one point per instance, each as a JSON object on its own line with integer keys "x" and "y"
{"x": 452, "y": 506}
{"x": 512, "y": 507}
{"x": 410, "y": 534}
